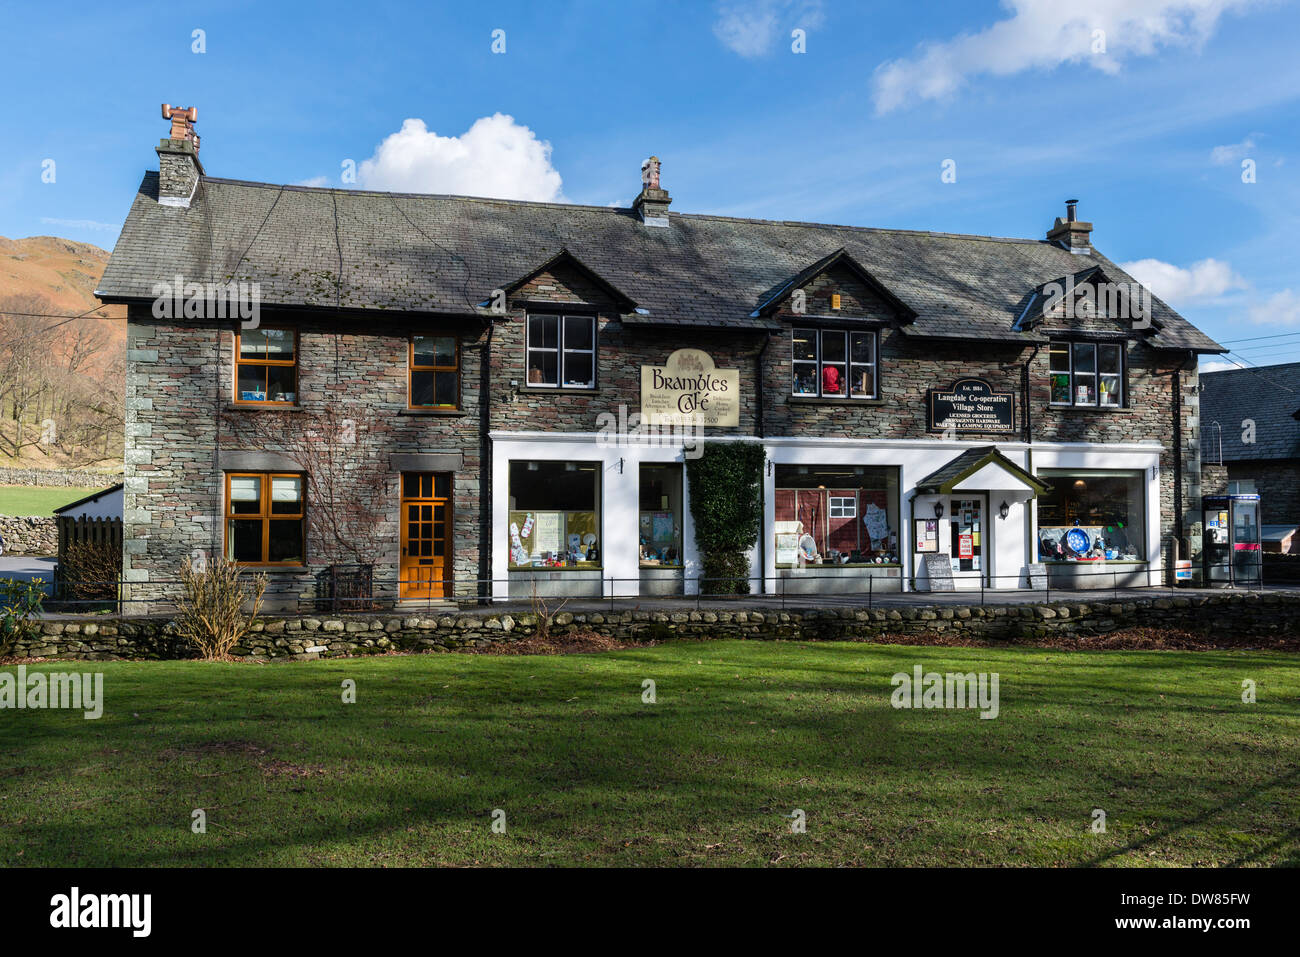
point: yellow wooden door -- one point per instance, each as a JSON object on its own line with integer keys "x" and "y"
{"x": 426, "y": 552}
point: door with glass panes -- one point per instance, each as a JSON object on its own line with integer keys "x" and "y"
{"x": 426, "y": 523}
{"x": 966, "y": 539}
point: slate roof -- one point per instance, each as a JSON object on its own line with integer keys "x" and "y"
{"x": 92, "y": 497}
{"x": 445, "y": 254}
{"x": 970, "y": 461}
{"x": 1270, "y": 395}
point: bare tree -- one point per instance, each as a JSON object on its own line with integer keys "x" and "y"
{"x": 58, "y": 388}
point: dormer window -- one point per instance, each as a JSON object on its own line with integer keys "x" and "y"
{"x": 561, "y": 351}
{"x": 833, "y": 364}
{"x": 1087, "y": 374}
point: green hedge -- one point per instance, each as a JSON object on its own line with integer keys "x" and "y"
{"x": 727, "y": 506}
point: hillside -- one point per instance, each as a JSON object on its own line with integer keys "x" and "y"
{"x": 69, "y": 371}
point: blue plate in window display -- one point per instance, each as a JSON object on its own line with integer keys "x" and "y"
{"x": 1078, "y": 541}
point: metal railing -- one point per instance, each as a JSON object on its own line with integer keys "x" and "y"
{"x": 549, "y": 590}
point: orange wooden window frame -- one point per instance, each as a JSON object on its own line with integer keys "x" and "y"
{"x": 265, "y": 516}
{"x": 412, "y": 368}
{"x": 264, "y": 364}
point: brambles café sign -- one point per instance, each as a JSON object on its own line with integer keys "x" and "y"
{"x": 688, "y": 390}
{"x": 971, "y": 405}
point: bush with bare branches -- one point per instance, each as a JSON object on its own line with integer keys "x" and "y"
{"x": 211, "y": 612}
{"x": 545, "y": 613}
{"x": 89, "y": 571}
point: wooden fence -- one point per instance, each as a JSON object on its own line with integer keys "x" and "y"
{"x": 86, "y": 582}
{"x": 98, "y": 531}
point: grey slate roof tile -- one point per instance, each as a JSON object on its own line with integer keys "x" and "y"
{"x": 1269, "y": 396}
{"x": 445, "y": 254}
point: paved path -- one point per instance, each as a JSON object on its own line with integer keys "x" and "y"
{"x": 888, "y": 600}
{"x": 765, "y": 603}
{"x": 27, "y": 567}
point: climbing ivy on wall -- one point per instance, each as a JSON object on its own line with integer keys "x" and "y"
{"x": 726, "y": 504}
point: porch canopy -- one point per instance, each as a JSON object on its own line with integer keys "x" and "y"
{"x": 981, "y": 469}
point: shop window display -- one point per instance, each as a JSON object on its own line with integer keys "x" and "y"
{"x": 554, "y": 520}
{"x": 1092, "y": 515}
{"x": 836, "y": 515}
{"x": 659, "y": 528}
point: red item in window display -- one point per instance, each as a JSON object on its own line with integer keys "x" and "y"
{"x": 831, "y": 380}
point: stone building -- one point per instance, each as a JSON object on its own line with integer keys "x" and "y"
{"x": 1250, "y": 425}
{"x": 487, "y": 397}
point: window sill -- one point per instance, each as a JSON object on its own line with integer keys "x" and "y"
{"x": 445, "y": 413}
{"x": 828, "y": 400}
{"x": 558, "y": 390}
{"x": 255, "y": 567}
{"x": 1094, "y": 409}
{"x": 557, "y": 568}
{"x": 1092, "y": 562}
{"x": 849, "y": 565}
{"x": 262, "y": 407}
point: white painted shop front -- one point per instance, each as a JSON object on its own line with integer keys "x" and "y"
{"x": 1098, "y": 526}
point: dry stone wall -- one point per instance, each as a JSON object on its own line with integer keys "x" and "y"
{"x": 1242, "y": 616}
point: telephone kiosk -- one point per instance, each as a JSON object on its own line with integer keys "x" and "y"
{"x": 1231, "y": 552}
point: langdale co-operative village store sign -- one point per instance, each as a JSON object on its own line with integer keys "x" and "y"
{"x": 689, "y": 390}
{"x": 971, "y": 405}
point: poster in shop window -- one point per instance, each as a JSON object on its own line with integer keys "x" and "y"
{"x": 965, "y": 546}
{"x": 689, "y": 390}
{"x": 546, "y": 532}
{"x": 787, "y": 542}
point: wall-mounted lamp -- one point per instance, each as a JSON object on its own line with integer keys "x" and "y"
{"x": 938, "y": 509}
{"x": 1004, "y": 509}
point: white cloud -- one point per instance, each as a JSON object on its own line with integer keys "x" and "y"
{"x": 1232, "y": 153}
{"x": 1041, "y": 35}
{"x": 752, "y": 27}
{"x": 1199, "y": 282}
{"x": 314, "y": 181}
{"x": 1280, "y": 308}
{"x": 1216, "y": 365}
{"x": 495, "y": 157}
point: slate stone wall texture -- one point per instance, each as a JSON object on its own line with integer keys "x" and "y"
{"x": 622, "y": 350}
{"x": 177, "y": 174}
{"x": 1278, "y": 483}
{"x": 180, "y": 417}
{"x": 180, "y": 387}
{"x": 29, "y": 534}
{"x": 1237, "y": 620}
{"x": 57, "y": 478}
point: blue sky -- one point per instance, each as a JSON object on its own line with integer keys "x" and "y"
{"x": 1149, "y": 128}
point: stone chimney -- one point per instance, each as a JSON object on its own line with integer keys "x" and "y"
{"x": 179, "y": 168}
{"x": 1071, "y": 233}
{"x": 652, "y": 203}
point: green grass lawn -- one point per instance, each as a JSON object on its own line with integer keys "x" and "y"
{"x": 742, "y": 734}
{"x": 39, "y": 499}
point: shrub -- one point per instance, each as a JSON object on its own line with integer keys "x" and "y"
{"x": 20, "y": 602}
{"x": 89, "y": 571}
{"x": 211, "y": 612}
{"x": 726, "y": 503}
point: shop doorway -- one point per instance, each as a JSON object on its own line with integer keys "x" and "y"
{"x": 426, "y": 518}
{"x": 968, "y": 540}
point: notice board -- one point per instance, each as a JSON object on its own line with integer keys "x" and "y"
{"x": 938, "y": 569}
